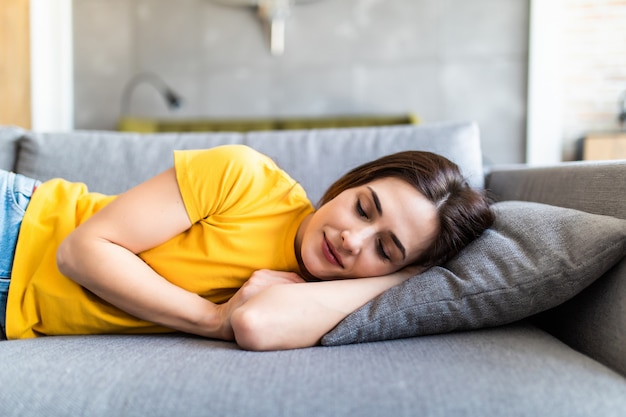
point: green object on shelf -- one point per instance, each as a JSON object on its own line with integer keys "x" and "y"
{"x": 144, "y": 125}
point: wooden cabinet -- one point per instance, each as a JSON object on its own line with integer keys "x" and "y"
{"x": 602, "y": 146}
{"x": 15, "y": 63}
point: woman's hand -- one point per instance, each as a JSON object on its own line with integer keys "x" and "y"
{"x": 258, "y": 282}
{"x": 261, "y": 280}
{"x": 274, "y": 317}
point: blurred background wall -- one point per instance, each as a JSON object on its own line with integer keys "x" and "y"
{"x": 536, "y": 75}
{"x": 439, "y": 59}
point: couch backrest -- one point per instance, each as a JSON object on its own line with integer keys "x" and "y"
{"x": 318, "y": 157}
{"x": 111, "y": 162}
{"x": 8, "y": 146}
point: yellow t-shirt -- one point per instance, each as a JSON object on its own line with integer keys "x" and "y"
{"x": 245, "y": 213}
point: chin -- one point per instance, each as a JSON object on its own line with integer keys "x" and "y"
{"x": 334, "y": 278}
{"x": 326, "y": 275}
{"x": 319, "y": 273}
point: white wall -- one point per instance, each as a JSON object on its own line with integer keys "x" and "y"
{"x": 544, "y": 123}
{"x": 52, "y": 89}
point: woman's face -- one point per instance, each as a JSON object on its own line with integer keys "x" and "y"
{"x": 371, "y": 230}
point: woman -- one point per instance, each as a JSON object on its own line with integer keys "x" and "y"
{"x": 203, "y": 247}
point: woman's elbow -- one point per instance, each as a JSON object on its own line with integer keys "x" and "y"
{"x": 252, "y": 329}
{"x": 63, "y": 257}
{"x": 66, "y": 257}
{"x": 263, "y": 327}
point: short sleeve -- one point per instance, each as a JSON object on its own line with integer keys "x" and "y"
{"x": 216, "y": 180}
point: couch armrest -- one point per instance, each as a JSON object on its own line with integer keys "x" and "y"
{"x": 594, "y": 187}
{"x": 594, "y": 322}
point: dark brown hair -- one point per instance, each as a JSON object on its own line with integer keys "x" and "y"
{"x": 464, "y": 213}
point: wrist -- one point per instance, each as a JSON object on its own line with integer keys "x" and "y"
{"x": 209, "y": 320}
{"x": 224, "y": 329}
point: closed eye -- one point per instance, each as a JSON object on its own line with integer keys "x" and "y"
{"x": 359, "y": 209}
{"x": 381, "y": 251}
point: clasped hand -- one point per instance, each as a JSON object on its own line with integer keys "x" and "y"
{"x": 259, "y": 281}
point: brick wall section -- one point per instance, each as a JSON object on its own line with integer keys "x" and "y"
{"x": 594, "y": 67}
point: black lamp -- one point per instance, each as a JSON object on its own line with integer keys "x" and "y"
{"x": 622, "y": 111}
{"x": 173, "y": 100}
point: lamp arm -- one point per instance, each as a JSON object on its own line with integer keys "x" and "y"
{"x": 173, "y": 99}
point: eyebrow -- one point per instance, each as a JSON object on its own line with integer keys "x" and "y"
{"x": 379, "y": 209}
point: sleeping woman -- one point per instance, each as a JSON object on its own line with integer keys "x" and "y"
{"x": 226, "y": 245}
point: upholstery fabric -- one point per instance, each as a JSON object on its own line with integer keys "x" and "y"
{"x": 110, "y": 162}
{"x": 322, "y": 156}
{"x": 594, "y": 321}
{"x": 586, "y": 186}
{"x": 592, "y": 327}
{"x": 535, "y": 257}
{"x": 512, "y": 371}
{"x": 8, "y": 146}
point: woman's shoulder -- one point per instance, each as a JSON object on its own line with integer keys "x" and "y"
{"x": 222, "y": 178}
{"x": 230, "y": 166}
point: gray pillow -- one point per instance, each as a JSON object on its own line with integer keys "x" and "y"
{"x": 535, "y": 257}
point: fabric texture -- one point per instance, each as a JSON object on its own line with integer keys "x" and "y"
{"x": 510, "y": 371}
{"x": 587, "y": 186}
{"x": 108, "y": 162}
{"x": 593, "y": 321}
{"x": 535, "y": 257}
{"x": 315, "y": 158}
{"x": 8, "y": 146}
{"x": 221, "y": 187}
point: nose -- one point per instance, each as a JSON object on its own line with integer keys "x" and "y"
{"x": 353, "y": 240}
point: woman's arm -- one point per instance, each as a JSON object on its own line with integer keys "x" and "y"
{"x": 296, "y": 316}
{"x": 101, "y": 255}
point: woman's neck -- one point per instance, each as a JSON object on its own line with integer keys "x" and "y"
{"x": 297, "y": 246}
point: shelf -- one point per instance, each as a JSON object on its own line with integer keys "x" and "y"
{"x": 604, "y": 146}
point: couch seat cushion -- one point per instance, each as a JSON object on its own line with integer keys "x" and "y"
{"x": 509, "y": 371}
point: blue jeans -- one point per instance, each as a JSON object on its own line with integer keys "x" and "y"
{"x": 15, "y": 193}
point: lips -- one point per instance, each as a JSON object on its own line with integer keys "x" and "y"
{"x": 330, "y": 253}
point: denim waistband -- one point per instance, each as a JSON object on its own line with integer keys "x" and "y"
{"x": 15, "y": 194}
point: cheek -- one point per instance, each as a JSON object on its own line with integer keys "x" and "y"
{"x": 371, "y": 265}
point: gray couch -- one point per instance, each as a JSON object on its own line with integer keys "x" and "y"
{"x": 553, "y": 357}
